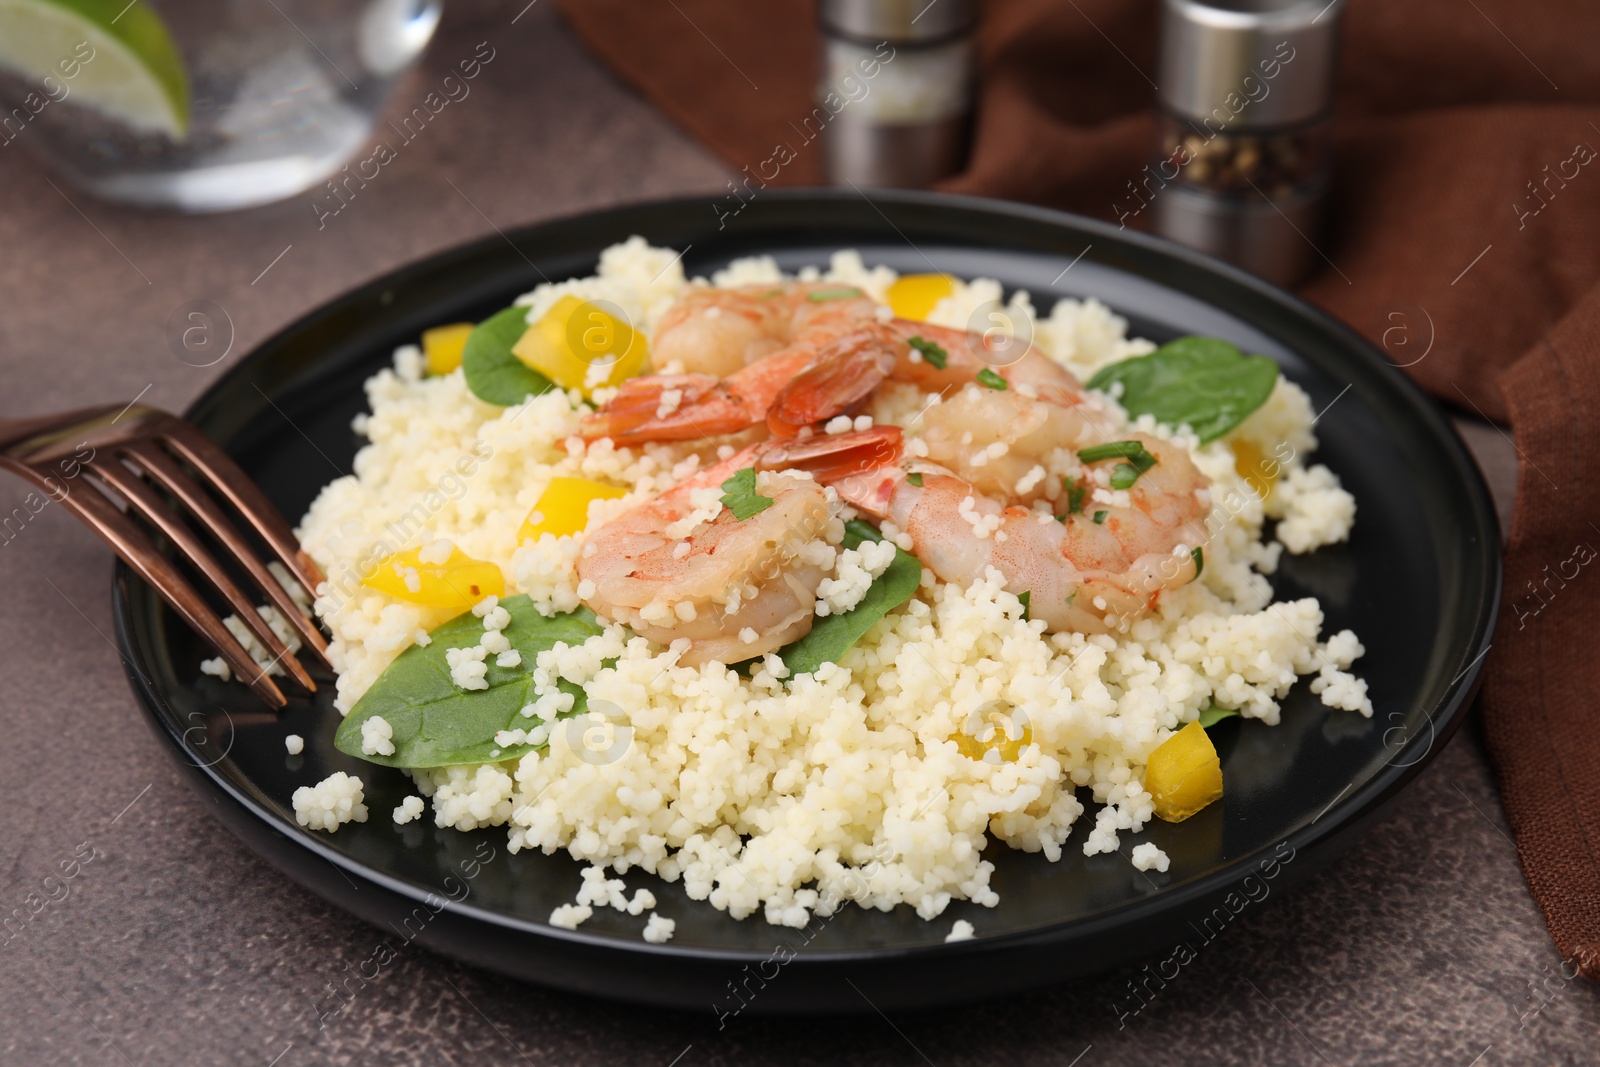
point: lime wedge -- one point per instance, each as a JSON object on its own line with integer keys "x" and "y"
{"x": 115, "y": 56}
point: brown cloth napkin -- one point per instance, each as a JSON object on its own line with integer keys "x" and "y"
{"x": 1456, "y": 215}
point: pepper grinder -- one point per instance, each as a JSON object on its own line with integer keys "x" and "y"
{"x": 894, "y": 96}
{"x": 1242, "y": 156}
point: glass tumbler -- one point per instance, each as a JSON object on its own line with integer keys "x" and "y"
{"x": 202, "y": 105}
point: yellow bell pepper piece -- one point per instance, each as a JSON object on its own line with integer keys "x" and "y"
{"x": 913, "y": 296}
{"x": 442, "y": 346}
{"x": 1183, "y": 774}
{"x": 458, "y": 582}
{"x": 563, "y": 507}
{"x": 580, "y": 346}
{"x": 1258, "y": 471}
{"x": 998, "y": 740}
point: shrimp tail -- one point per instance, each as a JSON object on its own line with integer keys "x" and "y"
{"x": 635, "y": 413}
{"x": 831, "y": 458}
{"x": 798, "y": 386}
{"x": 704, "y": 406}
{"x": 870, "y": 490}
{"x": 843, "y": 375}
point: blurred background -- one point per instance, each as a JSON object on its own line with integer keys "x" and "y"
{"x": 1334, "y": 146}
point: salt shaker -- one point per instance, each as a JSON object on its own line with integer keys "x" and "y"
{"x": 1242, "y": 157}
{"x": 894, "y": 96}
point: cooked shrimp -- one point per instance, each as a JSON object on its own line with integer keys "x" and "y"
{"x": 795, "y": 386}
{"x": 1004, "y": 438}
{"x": 1080, "y": 574}
{"x": 684, "y": 567}
{"x": 1005, "y": 443}
{"x": 939, "y": 359}
{"x": 743, "y": 350}
{"x": 686, "y": 407}
{"x": 718, "y": 331}
{"x": 832, "y": 365}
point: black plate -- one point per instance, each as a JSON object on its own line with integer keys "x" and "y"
{"x": 1419, "y": 582}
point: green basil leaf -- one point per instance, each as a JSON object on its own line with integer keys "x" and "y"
{"x": 915, "y": 478}
{"x": 833, "y": 635}
{"x": 493, "y": 372}
{"x": 1206, "y": 383}
{"x": 1100, "y": 517}
{"x": 1212, "y": 715}
{"x": 991, "y": 379}
{"x": 434, "y": 723}
{"x": 1023, "y": 598}
{"x": 1199, "y": 555}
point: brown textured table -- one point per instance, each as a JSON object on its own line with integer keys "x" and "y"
{"x": 173, "y": 944}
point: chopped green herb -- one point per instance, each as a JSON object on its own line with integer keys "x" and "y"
{"x": 1100, "y": 517}
{"x": 991, "y": 379}
{"x": 1062, "y": 519}
{"x": 936, "y": 356}
{"x": 1199, "y": 562}
{"x": 1212, "y": 715}
{"x": 1123, "y": 475}
{"x": 819, "y": 295}
{"x": 1023, "y": 598}
{"x": 769, "y": 294}
{"x": 915, "y": 479}
{"x": 740, "y": 497}
{"x": 1075, "y": 495}
{"x": 1199, "y": 382}
{"x": 1132, "y": 451}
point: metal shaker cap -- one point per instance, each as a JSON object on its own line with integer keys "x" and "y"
{"x": 899, "y": 21}
{"x": 1249, "y": 63}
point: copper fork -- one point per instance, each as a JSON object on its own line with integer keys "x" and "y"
{"x": 111, "y": 466}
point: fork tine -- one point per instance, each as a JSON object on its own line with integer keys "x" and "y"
{"x": 224, "y": 476}
{"x": 136, "y": 550}
{"x": 143, "y": 500}
{"x": 165, "y": 470}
